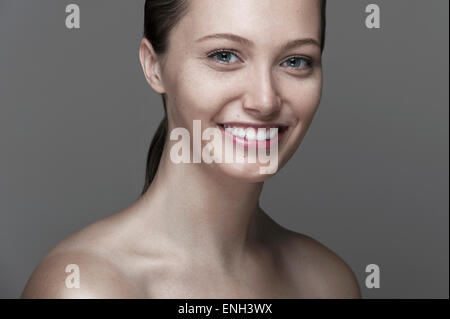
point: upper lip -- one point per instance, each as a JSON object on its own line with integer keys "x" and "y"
{"x": 255, "y": 125}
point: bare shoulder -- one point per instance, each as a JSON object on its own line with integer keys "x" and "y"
{"x": 80, "y": 266}
{"x": 313, "y": 269}
{"x": 76, "y": 275}
{"x": 317, "y": 271}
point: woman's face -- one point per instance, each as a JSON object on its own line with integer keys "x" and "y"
{"x": 268, "y": 72}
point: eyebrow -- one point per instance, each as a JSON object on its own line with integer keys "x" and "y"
{"x": 249, "y": 43}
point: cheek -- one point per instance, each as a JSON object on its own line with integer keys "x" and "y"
{"x": 306, "y": 98}
{"x": 201, "y": 93}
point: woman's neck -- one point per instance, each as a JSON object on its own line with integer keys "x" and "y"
{"x": 201, "y": 212}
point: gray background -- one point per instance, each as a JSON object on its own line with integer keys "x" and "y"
{"x": 370, "y": 179}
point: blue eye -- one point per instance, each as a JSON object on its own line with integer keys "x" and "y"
{"x": 223, "y": 56}
{"x": 299, "y": 62}
{"x": 228, "y": 57}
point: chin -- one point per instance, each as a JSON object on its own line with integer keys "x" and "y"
{"x": 245, "y": 172}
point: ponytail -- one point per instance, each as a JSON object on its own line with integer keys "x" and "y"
{"x": 155, "y": 151}
{"x": 159, "y": 19}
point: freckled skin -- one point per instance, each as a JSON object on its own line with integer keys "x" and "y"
{"x": 199, "y": 232}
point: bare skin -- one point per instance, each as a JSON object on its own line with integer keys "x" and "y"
{"x": 199, "y": 231}
{"x": 119, "y": 259}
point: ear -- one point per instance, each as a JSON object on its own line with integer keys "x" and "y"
{"x": 151, "y": 66}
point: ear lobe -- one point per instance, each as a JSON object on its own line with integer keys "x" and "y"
{"x": 150, "y": 66}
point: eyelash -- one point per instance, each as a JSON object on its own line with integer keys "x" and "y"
{"x": 308, "y": 61}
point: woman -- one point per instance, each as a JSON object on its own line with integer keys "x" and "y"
{"x": 198, "y": 231}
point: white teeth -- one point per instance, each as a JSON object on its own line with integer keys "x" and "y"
{"x": 261, "y": 136}
{"x": 251, "y": 134}
{"x": 273, "y": 133}
{"x": 241, "y": 132}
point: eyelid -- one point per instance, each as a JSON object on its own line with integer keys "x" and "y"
{"x": 224, "y": 50}
{"x": 298, "y": 56}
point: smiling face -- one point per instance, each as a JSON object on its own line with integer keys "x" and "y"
{"x": 245, "y": 63}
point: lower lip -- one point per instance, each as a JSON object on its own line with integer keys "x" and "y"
{"x": 253, "y": 143}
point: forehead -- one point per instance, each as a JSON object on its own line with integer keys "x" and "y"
{"x": 259, "y": 20}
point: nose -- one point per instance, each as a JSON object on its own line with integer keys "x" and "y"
{"x": 262, "y": 99}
